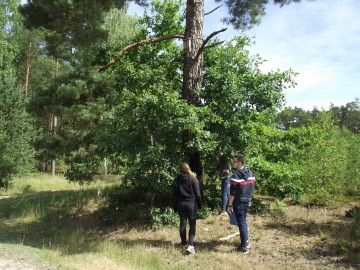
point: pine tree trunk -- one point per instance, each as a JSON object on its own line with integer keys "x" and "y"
{"x": 192, "y": 73}
{"x": 26, "y": 87}
{"x": 54, "y": 125}
{"x": 53, "y": 167}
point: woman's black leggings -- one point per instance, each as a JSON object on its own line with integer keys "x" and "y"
{"x": 187, "y": 211}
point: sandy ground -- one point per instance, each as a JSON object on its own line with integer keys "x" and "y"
{"x": 21, "y": 258}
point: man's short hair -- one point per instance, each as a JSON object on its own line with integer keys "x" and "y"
{"x": 240, "y": 158}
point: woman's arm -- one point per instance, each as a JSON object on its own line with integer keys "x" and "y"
{"x": 197, "y": 194}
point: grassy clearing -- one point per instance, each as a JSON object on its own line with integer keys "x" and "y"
{"x": 65, "y": 223}
{"x": 44, "y": 182}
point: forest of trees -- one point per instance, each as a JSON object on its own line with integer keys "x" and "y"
{"x": 144, "y": 115}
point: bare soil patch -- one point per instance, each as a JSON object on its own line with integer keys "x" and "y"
{"x": 15, "y": 257}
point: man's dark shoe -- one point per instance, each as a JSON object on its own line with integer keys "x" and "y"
{"x": 243, "y": 250}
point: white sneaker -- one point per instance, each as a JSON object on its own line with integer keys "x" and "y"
{"x": 190, "y": 250}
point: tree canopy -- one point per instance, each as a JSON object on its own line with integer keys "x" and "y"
{"x": 141, "y": 120}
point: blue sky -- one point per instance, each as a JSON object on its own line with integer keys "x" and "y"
{"x": 318, "y": 39}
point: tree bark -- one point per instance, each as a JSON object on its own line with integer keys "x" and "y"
{"x": 27, "y": 71}
{"x": 54, "y": 124}
{"x": 192, "y": 74}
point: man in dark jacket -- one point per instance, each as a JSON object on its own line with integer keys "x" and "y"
{"x": 186, "y": 201}
{"x": 241, "y": 191}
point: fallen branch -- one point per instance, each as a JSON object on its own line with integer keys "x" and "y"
{"x": 229, "y": 236}
{"x": 138, "y": 44}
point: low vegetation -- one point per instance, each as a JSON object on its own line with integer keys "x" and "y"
{"x": 84, "y": 227}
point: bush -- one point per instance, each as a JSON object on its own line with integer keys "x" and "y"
{"x": 164, "y": 218}
{"x": 257, "y": 207}
{"x": 212, "y": 193}
{"x": 204, "y": 212}
{"x": 277, "y": 207}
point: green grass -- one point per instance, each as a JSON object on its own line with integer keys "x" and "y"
{"x": 65, "y": 223}
{"x": 44, "y": 182}
{"x": 62, "y": 220}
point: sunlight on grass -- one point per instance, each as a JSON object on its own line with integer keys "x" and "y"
{"x": 109, "y": 255}
{"x": 37, "y": 183}
{"x": 44, "y": 182}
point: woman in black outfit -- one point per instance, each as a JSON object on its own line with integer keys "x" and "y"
{"x": 186, "y": 202}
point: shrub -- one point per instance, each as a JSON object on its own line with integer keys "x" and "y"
{"x": 204, "y": 212}
{"x": 212, "y": 193}
{"x": 159, "y": 218}
{"x": 257, "y": 207}
{"x": 277, "y": 207}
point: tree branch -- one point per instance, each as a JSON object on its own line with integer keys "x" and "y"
{"x": 213, "y": 45}
{"x": 202, "y": 48}
{"x": 138, "y": 44}
{"x": 211, "y": 11}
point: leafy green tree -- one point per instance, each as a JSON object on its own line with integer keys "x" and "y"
{"x": 313, "y": 164}
{"x": 243, "y": 13}
{"x": 324, "y": 163}
{"x": 10, "y": 28}
{"x": 276, "y": 156}
{"x": 352, "y": 176}
{"x": 347, "y": 116}
{"x": 324, "y": 139}
{"x": 293, "y": 117}
{"x": 15, "y": 131}
{"x": 145, "y": 118}
{"x": 149, "y": 116}
{"x": 237, "y": 95}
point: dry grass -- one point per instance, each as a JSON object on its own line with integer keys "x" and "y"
{"x": 301, "y": 239}
{"x": 65, "y": 227}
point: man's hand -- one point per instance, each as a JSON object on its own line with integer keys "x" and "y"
{"x": 229, "y": 209}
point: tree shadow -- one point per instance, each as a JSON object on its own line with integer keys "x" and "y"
{"x": 73, "y": 222}
{"x": 63, "y": 220}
